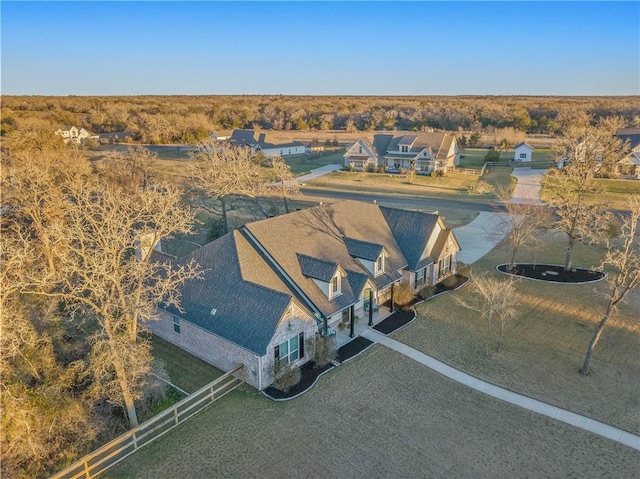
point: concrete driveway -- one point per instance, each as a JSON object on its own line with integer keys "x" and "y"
{"x": 487, "y": 230}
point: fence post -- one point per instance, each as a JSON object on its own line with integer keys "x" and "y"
{"x": 86, "y": 469}
{"x": 175, "y": 415}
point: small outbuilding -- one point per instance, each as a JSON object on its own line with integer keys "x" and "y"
{"x": 523, "y": 152}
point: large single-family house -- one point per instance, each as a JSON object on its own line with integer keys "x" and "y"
{"x": 523, "y": 152}
{"x": 76, "y": 135}
{"x": 247, "y": 138}
{"x": 425, "y": 152}
{"x": 629, "y": 165}
{"x": 269, "y": 288}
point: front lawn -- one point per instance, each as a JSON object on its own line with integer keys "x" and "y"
{"x": 302, "y": 164}
{"x": 451, "y": 186}
{"x": 545, "y": 347}
{"x": 379, "y": 415}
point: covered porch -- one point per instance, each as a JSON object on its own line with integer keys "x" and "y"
{"x": 343, "y": 336}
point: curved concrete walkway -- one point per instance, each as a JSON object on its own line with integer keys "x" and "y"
{"x": 582, "y": 422}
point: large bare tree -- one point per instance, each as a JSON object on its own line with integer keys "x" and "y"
{"x": 623, "y": 258}
{"x": 522, "y": 221}
{"x": 223, "y": 171}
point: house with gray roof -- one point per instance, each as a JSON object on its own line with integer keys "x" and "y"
{"x": 247, "y": 138}
{"x": 424, "y": 152}
{"x": 268, "y": 289}
{"x": 629, "y": 165}
{"x": 77, "y": 135}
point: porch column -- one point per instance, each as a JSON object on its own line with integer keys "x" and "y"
{"x": 371, "y": 307}
{"x": 391, "y": 305}
{"x": 351, "y": 322}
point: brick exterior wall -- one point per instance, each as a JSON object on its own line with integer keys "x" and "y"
{"x": 226, "y": 355}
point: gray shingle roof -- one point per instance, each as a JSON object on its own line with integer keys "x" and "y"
{"x": 411, "y": 230}
{"x": 319, "y": 233}
{"x": 317, "y": 268}
{"x": 630, "y": 134}
{"x": 247, "y": 313}
{"x": 363, "y": 249}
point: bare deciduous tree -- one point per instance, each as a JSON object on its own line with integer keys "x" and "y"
{"x": 223, "y": 171}
{"x": 624, "y": 258}
{"x": 284, "y": 180}
{"x": 522, "y": 221}
{"x": 496, "y": 301}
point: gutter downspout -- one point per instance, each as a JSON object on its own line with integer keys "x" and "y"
{"x": 259, "y": 372}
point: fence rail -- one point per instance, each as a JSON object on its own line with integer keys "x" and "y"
{"x": 469, "y": 171}
{"x": 115, "y": 451}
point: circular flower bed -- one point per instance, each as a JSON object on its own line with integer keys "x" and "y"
{"x": 552, "y": 273}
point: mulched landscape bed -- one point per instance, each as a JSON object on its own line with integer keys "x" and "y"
{"x": 552, "y": 273}
{"x": 309, "y": 372}
{"x": 395, "y": 321}
{"x": 353, "y": 348}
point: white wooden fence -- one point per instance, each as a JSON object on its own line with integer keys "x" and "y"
{"x": 115, "y": 451}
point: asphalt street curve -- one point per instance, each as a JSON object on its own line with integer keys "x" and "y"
{"x": 407, "y": 202}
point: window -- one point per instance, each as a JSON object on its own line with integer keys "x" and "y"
{"x": 380, "y": 265}
{"x": 445, "y": 266}
{"x": 334, "y": 288}
{"x": 176, "y": 324}
{"x": 404, "y": 148}
{"x": 420, "y": 277}
{"x": 523, "y": 155}
{"x": 291, "y": 350}
{"x": 360, "y": 150}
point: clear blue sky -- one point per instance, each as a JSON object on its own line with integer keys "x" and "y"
{"x": 323, "y": 48}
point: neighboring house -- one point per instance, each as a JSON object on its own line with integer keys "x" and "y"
{"x": 247, "y": 138}
{"x": 523, "y": 152}
{"x": 424, "y": 152}
{"x": 629, "y": 165}
{"x": 76, "y": 135}
{"x": 270, "y": 287}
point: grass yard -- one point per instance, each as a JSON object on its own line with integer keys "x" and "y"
{"x": 614, "y": 192}
{"x": 184, "y": 370}
{"x": 451, "y": 186}
{"x": 380, "y": 415}
{"x": 302, "y": 164}
{"x": 545, "y": 346}
{"x": 474, "y": 157}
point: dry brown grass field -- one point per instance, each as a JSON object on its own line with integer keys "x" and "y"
{"x": 545, "y": 346}
{"x": 380, "y": 415}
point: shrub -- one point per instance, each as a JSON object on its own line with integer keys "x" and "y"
{"x": 450, "y": 281}
{"x": 370, "y": 168}
{"x": 403, "y": 295}
{"x": 381, "y": 169}
{"x": 437, "y": 173}
{"x": 324, "y": 350}
{"x": 427, "y": 292}
{"x": 286, "y": 376}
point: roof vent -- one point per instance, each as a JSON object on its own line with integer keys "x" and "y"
{"x": 214, "y": 311}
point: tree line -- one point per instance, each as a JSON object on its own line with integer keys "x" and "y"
{"x": 189, "y": 119}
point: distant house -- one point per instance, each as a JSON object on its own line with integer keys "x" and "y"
{"x": 424, "y": 152}
{"x": 271, "y": 287}
{"x": 247, "y": 138}
{"x": 76, "y": 135}
{"x": 629, "y": 165}
{"x": 523, "y": 152}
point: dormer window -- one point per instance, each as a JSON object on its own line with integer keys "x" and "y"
{"x": 404, "y": 148}
{"x": 379, "y": 265}
{"x": 334, "y": 286}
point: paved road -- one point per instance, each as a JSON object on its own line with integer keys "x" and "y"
{"x": 416, "y": 202}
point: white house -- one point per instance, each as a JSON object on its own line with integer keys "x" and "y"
{"x": 247, "y": 138}
{"x": 424, "y": 152}
{"x": 76, "y": 135}
{"x": 523, "y": 152}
